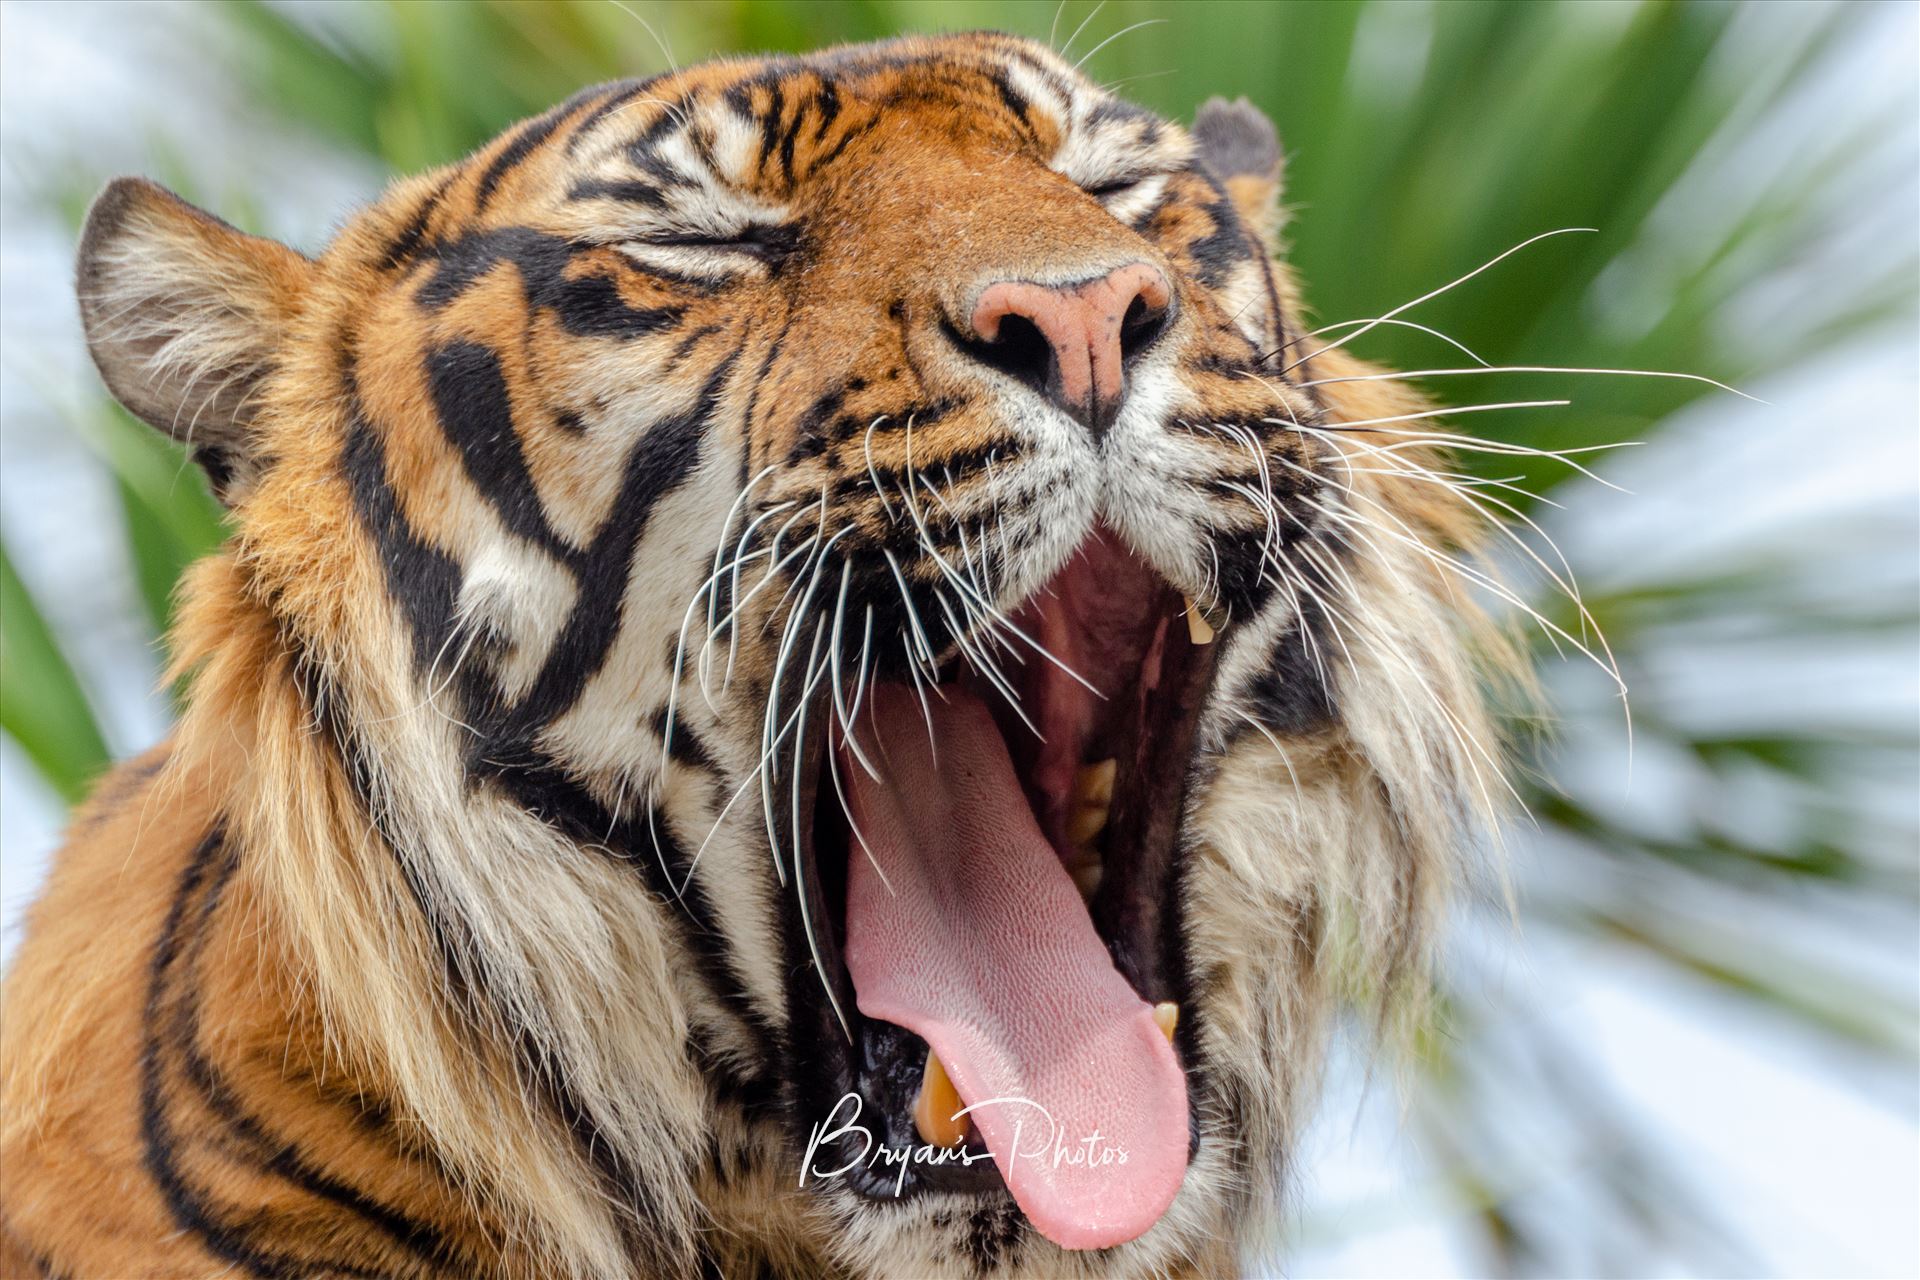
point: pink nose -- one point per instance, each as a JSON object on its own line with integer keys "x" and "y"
{"x": 1073, "y": 343}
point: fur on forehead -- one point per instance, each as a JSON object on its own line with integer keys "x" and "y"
{"x": 715, "y": 131}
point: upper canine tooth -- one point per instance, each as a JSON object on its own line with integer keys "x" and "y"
{"x": 1199, "y": 630}
{"x": 1088, "y": 821}
{"x": 934, "y": 1107}
{"x": 1166, "y": 1016}
{"x": 1094, "y": 783}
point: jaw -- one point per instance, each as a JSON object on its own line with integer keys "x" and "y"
{"x": 1087, "y": 751}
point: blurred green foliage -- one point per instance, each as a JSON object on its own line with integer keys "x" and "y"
{"x": 1423, "y": 140}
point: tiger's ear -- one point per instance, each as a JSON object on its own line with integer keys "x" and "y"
{"x": 1241, "y": 147}
{"x": 184, "y": 316}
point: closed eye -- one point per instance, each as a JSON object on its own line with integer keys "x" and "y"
{"x": 1113, "y": 186}
{"x": 769, "y": 243}
{"x": 1129, "y": 195}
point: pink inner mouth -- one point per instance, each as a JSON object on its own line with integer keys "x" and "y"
{"x": 965, "y": 927}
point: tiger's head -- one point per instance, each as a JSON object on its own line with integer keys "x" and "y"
{"x": 778, "y": 602}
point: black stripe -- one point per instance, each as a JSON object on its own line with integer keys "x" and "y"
{"x": 403, "y": 246}
{"x": 646, "y": 843}
{"x": 629, "y": 191}
{"x": 759, "y": 381}
{"x": 530, "y": 136}
{"x": 645, "y": 156}
{"x": 810, "y": 433}
{"x": 827, "y": 103}
{"x": 686, "y": 747}
{"x": 1119, "y": 109}
{"x": 470, "y": 396}
{"x": 269, "y": 1152}
{"x": 664, "y": 456}
{"x": 190, "y": 1212}
{"x": 464, "y": 966}
{"x": 789, "y": 137}
{"x": 1229, "y": 243}
{"x": 685, "y": 346}
{"x": 770, "y": 122}
{"x": 1013, "y": 99}
{"x": 421, "y": 578}
{"x": 1288, "y": 696}
{"x": 673, "y": 117}
{"x": 115, "y": 789}
{"x": 586, "y": 305}
{"x": 846, "y": 139}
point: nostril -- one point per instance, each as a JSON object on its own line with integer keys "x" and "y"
{"x": 1142, "y": 326}
{"x": 1072, "y": 343}
{"x": 1018, "y": 349}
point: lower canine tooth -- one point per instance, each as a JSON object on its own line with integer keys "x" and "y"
{"x": 934, "y": 1108}
{"x": 1087, "y": 879}
{"x": 1166, "y": 1016}
{"x": 1199, "y": 630}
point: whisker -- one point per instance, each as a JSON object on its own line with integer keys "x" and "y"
{"x": 799, "y": 880}
{"x": 1358, "y": 423}
{"x": 665, "y": 48}
{"x": 998, "y": 617}
{"x": 1427, "y": 297}
{"x": 833, "y": 770}
{"x": 866, "y": 444}
{"x": 1091, "y": 15}
{"x": 839, "y": 688}
{"x": 1431, "y": 332}
{"x": 1149, "y": 22}
{"x": 789, "y": 634}
{"x": 1531, "y": 368}
{"x": 1285, "y": 759}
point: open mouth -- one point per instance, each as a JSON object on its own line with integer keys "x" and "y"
{"x": 1001, "y": 923}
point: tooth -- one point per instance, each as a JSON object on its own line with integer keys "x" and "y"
{"x": 1088, "y": 821}
{"x": 1199, "y": 630}
{"x": 1166, "y": 1015}
{"x": 1087, "y": 879}
{"x": 934, "y": 1108}
{"x": 1094, "y": 783}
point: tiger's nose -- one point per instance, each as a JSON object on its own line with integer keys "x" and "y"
{"x": 1074, "y": 343}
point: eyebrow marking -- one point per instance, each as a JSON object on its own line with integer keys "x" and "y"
{"x": 627, "y": 190}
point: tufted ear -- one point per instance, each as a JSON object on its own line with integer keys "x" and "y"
{"x": 184, "y": 316}
{"x": 1240, "y": 147}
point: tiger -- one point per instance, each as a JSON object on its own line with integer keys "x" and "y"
{"x": 815, "y": 674}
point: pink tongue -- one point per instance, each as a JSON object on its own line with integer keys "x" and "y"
{"x": 977, "y": 941}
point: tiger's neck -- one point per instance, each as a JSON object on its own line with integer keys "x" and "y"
{"x": 242, "y": 1084}
{"x": 372, "y": 982}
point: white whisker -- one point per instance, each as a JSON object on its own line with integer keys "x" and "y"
{"x": 1428, "y": 297}
{"x": 1531, "y": 368}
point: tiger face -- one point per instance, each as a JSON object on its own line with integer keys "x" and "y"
{"x": 867, "y": 628}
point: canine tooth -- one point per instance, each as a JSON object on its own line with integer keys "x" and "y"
{"x": 933, "y": 1109}
{"x": 1088, "y": 821}
{"x": 1087, "y": 878}
{"x": 1199, "y": 630}
{"x": 1166, "y": 1015}
{"x": 1094, "y": 783}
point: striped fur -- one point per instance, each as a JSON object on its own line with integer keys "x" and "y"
{"x": 445, "y": 937}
